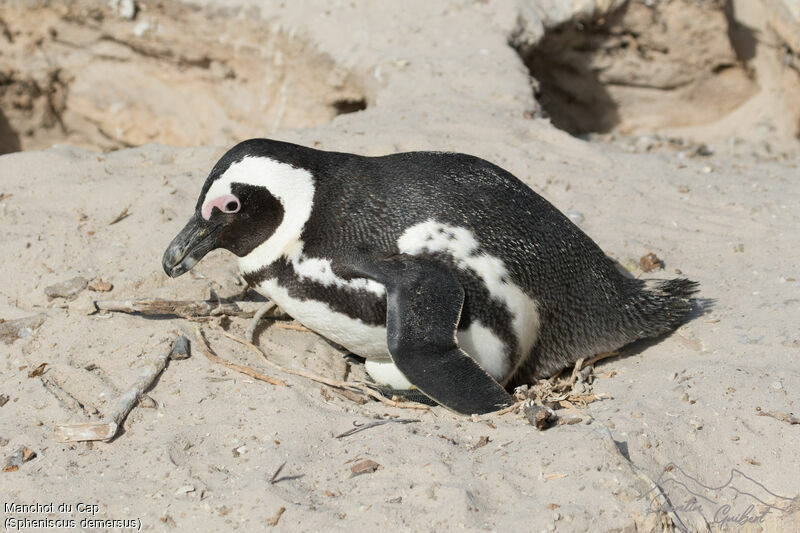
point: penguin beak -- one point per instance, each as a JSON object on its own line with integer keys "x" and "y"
{"x": 199, "y": 237}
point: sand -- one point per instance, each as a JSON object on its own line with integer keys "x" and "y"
{"x": 715, "y": 198}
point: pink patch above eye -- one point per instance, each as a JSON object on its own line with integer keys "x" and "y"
{"x": 223, "y": 203}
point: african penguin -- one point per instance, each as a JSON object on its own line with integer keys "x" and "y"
{"x": 443, "y": 270}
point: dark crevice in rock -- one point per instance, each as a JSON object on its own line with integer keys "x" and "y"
{"x": 630, "y": 70}
{"x": 348, "y": 105}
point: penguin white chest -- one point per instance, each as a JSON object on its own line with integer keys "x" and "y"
{"x": 370, "y": 341}
{"x": 363, "y": 339}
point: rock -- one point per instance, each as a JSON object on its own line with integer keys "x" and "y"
{"x": 181, "y": 348}
{"x": 125, "y": 8}
{"x": 539, "y": 416}
{"x": 11, "y": 330}
{"x": 15, "y": 460}
{"x": 650, "y": 262}
{"x": 66, "y": 289}
{"x": 575, "y": 216}
{"x": 98, "y": 285}
{"x": 784, "y": 19}
{"x": 367, "y": 466}
{"x": 185, "y": 489}
{"x": 83, "y": 305}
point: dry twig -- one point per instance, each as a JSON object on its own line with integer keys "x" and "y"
{"x": 107, "y": 428}
{"x": 362, "y": 427}
{"x": 597, "y": 358}
{"x": 250, "y": 332}
{"x": 182, "y": 308}
{"x": 198, "y": 333}
{"x": 510, "y": 408}
{"x": 65, "y": 398}
{"x": 274, "y": 477}
{"x": 783, "y": 417}
{"x": 294, "y": 327}
{"x": 575, "y": 371}
{"x": 346, "y": 385}
{"x": 655, "y": 492}
{"x": 272, "y": 522}
{"x": 123, "y": 214}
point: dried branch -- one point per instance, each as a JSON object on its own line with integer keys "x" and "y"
{"x": 597, "y": 358}
{"x": 294, "y": 327}
{"x": 198, "y": 333}
{"x": 274, "y": 477}
{"x": 655, "y": 492}
{"x": 345, "y": 385}
{"x": 186, "y": 308}
{"x": 272, "y": 522}
{"x": 362, "y": 427}
{"x": 510, "y": 408}
{"x": 123, "y": 214}
{"x": 107, "y": 428}
{"x": 65, "y": 398}
{"x": 250, "y": 332}
{"x": 783, "y": 417}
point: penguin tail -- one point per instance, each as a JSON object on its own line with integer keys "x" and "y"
{"x": 663, "y": 305}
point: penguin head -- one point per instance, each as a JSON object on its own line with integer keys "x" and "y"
{"x": 254, "y": 203}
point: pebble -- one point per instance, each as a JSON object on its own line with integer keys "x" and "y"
{"x": 66, "y": 289}
{"x": 83, "y": 305}
{"x": 575, "y": 216}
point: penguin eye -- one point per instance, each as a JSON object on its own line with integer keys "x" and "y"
{"x": 227, "y": 203}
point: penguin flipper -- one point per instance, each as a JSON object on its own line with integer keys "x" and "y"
{"x": 424, "y": 302}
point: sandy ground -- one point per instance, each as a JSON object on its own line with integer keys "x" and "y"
{"x": 684, "y": 412}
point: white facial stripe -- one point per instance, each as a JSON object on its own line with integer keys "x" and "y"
{"x": 461, "y": 244}
{"x": 293, "y": 187}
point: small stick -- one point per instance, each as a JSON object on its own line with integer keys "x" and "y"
{"x": 783, "y": 417}
{"x": 597, "y": 358}
{"x": 183, "y": 308}
{"x": 657, "y": 493}
{"x": 66, "y": 399}
{"x": 123, "y": 214}
{"x": 510, "y": 408}
{"x": 362, "y": 427}
{"x": 107, "y": 428}
{"x": 295, "y": 327}
{"x": 578, "y": 367}
{"x": 250, "y": 332}
{"x": 383, "y": 399}
{"x": 198, "y": 333}
{"x": 274, "y": 477}
{"x": 272, "y": 522}
{"x": 348, "y": 385}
